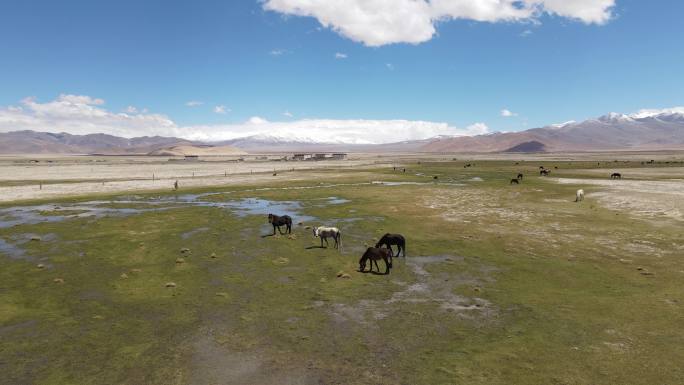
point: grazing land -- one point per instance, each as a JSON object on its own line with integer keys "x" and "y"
{"x": 501, "y": 284}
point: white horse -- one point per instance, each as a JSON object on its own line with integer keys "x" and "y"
{"x": 579, "y": 196}
{"x": 328, "y": 232}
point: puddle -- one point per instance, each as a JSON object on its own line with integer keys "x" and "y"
{"x": 46, "y": 213}
{"x": 11, "y": 250}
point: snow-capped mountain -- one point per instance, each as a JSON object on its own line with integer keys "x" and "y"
{"x": 644, "y": 130}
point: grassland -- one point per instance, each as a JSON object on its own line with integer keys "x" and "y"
{"x": 502, "y": 285}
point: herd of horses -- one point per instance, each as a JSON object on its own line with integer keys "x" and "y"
{"x": 372, "y": 254}
{"x": 579, "y": 195}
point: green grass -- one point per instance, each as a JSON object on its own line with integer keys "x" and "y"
{"x": 560, "y": 305}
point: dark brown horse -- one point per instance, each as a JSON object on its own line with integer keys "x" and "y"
{"x": 520, "y": 176}
{"x": 515, "y": 181}
{"x": 374, "y": 254}
{"x": 616, "y": 175}
{"x": 278, "y": 221}
{"x": 544, "y": 173}
{"x": 393, "y": 239}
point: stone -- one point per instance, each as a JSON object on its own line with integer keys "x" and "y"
{"x": 170, "y": 284}
{"x": 123, "y": 276}
{"x": 136, "y": 270}
{"x": 40, "y": 266}
{"x": 281, "y": 261}
{"x": 35, "y": 238}
{"x": 213, "y": 255}
{"x": 184, "y": 250}
{"x": 58, "y": 280}
{"x": 344, "y": 276}
{"x": 224, "y": 295}
{"x": 180, "y": 260}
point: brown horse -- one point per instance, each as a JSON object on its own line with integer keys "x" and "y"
{"x": 278, "y": 221}
{"x": 374, "y": 254}
{"x": 393, "y": 239}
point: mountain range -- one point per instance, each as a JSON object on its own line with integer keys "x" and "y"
{"x": 612, "y": 132}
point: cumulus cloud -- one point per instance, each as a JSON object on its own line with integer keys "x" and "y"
{"x": 84, "y": 115}
{"x": 508, "y": 113}
{"x": 194, "y": 103}
{"x": 380, "y": 22}
{"x": 221, "y": 109}
{"x": 288, "y": 114}
{"x": 340, "y": 55}
{"x": 358, "y": 131}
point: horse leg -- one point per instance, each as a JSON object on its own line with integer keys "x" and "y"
{"x": 321, "y": 242}
{"x": 387, "y": 265}
{"x": 326, "y": 242}
{"x": 376, "y": 265}
{"x": 274, "y": 227}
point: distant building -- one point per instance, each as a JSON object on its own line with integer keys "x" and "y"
{"x": 339, "y": 155}
{"x": 302, "y": 156}
{"x": 192, "y": 158}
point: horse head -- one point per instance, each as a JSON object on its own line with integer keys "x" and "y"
{"x": 315, "y": 231}
{"x": 270, "y": 218}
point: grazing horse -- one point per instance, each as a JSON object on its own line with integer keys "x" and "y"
{"x": 616, "y": 175}
{"x": 393, "y": 239}
{"x": 374, "y": 254}
{"x": 278, "y": 221}
{"x": 579, "y": 196}
{"x": 520, "y": 176}
{"x": 515, "y": 181}
{"x": 544, "y": 172}
{"x": 328, "y": 232}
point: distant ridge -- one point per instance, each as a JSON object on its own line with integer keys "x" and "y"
{"x": 528, "y": 147}
{"x": 659, "y": 130}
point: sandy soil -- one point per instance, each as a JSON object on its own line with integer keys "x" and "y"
{"x": 69, "y": 178}
{"x": 646, "y": 198}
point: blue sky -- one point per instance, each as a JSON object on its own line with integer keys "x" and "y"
{"x": 159, "y": 55}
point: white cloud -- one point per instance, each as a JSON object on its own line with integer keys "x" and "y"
{"x": 288, "y": 114}
{"x": 379, "y": 22}
{"x": 340, "y": 55}
{"x": 194, "y": 103}
{"x": 277, "y": 52}
{"x": 508, "y": 113}
{"x": 221, "y": 109}
{"x": 84, "y": 115}
{"x": 131, "y": 110}
{"x": 477, "y": 129}
{"x": 526, "y": 33}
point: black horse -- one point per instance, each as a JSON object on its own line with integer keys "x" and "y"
{"x": 393, "y": 239}
{"x": 515, "y": 181}
{"x": 520, "y": 176}
{"x": 374, "y": 254}
{"x": 544, "y": 173}
{"x": 616, "y": 175}
{"x": 278, "y": 221}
